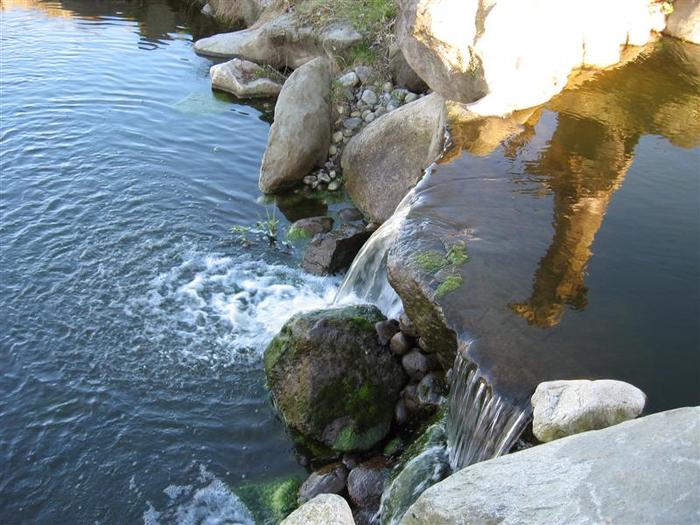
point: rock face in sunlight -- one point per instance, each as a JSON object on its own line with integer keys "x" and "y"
{"x": 384, "y": 161}
{"x": 516, "y": 54}
{"x": 244, "y": 79}
{"x": 642, "y": 471}
{"x": 684, "y": 22}
{"x": 323, "y": 509}
{"x": 301, "y": 132}
{"x": 240, "y": 12}
{"x": 565, "y": 408}
{"x": 334, "y": 384}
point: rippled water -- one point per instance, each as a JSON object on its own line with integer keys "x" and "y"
{"x": 132, "y": 320}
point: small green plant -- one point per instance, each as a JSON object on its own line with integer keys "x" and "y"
{"x": 430, "y": 261}
{"x": 457, "y": 254}
{"x": 242, "y": 233}
{"x": 269, "y": 225}
{"x": 297, "y": 234}
{"x": 450, "y": 284}
{"x": 267, "y": 71}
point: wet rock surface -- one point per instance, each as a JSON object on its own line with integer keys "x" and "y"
{"x": 366, "y": 483}
{"x": 332, "y": 381}
{"x": 641, "y": 471}
{"x": 311, "y": 226}
{"x": 333, "y": 252}
{"x": 329, "y": 479}
{"x": 244, "y": 79}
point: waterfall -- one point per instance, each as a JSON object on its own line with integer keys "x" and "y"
{"x": 480, "y": 424}
{"x": 367, "y": 281}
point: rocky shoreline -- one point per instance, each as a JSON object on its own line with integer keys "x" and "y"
{"x": 363, "y": 396}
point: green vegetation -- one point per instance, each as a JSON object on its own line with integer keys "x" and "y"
{"x": 297, "y": 234}
{"x": 270, "y": 501}
{"x": 267, "y": 228}
{"x": 431, "y": 261}
{"x": 267, "y": 71}
{"x": 450, "y": 284}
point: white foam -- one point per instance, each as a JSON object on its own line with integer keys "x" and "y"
{"x": 224, "y": 310}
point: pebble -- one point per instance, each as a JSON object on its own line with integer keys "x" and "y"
{"x": 349, "y": 79}
{"x": 347, "y": 133}
{"x": 400, "y": 412}
{"x": 416, "y": 364}
{"x": 369, "y": 118}
{"x": 363, "y": 73}
{"x": 430, "y": 389}
{"x": 380, "y": 111}
{"x": 369, "y": 97}
{"x": 337, "y": 137}
{"x": 353, "y": 122}
{"x": 309, "y": 179}
{"x": 410, "y": 97}
{"x": 387, "y": 87}
{"x": 334, "y": 185}
{"x": 391, "y": 106}
{"x": 342, "y": 110}
{"x": 324, "y": 177}
{"x": 332, "y": 150}
{"x": 386, "y": 330}
{"x": 332, "y": 174}
{"x": 400, "y": 344}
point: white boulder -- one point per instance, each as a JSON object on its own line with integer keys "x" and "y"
{"x": 565, "y": 408}
{"x": 684, "y": 22}
{"x": 244, "y": 79}
{"x": 324, "y": 509}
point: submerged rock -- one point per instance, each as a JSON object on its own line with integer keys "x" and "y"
{"x": 564, "y": 408}
{"x": 244, "y": 79}
{"x": 310, "y": 226}
{"x": 300, "y": 134}
{"x": 331, "y": 380}
{"x": 684, "y": 22}
{"x": 270, "y": 500}
{"x": 326, "y": 480}
{"x": 322, "y": 510}
{"x": 641, "y": 471}
{"x": 387, "y": 158}
{"x": 334, "y": 251}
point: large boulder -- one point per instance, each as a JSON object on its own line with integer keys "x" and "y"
{"x": 641, "y": 471}
{"x": 244, "y": 79}
{"x": 324, "y": 509}
{"x": 301, "y": 131}
{"x": 565, "y": 408}
{"x": 684, "y": 22}
{"x": 468, "y": 49}
{"x": 240, "y": 12}
{"x": 281, "y": 41}
{"x": 386, "y": 159}
{"x": 332, "y": 381}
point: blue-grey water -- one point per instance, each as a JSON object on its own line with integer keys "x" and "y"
{"x": 132, "y": 321}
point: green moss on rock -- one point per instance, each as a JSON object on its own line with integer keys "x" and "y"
{"x": 450, "y": 284}
{"x": 272, "y": 500}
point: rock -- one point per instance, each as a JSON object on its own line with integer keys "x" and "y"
{"x": 387, "y": 158}
{"x": 303, "y": 104}
{"x": 207, "y": 10}
{"x": 349, "y": 79}
{"x": 332, "y": 150}
{"x": 335, "y": 251}
{"x": 244, "y": 79}
{"x": 400, "y": 344}
{"x": 407, "y": 326}
{"x": 366, "y": 482}
{"x": 409, "y": 395}
{"x": 324, "y": 177}
{"x": 468, "y": 49}
{"x": 684, "y": 22}
{"x": 430, "y": 390}
{"x": 334, "y": 185}
{"x": 331, "y": 380}
{"x": 422, "y": 465}
{"x": 369, "y": 97}
{"x": 337, "y": 137}
{"x": 350, "y": 214}
{"x": 416, "y": 364}
{"x": 410, "y": 97}
{"x": 310, "y": 226}
{"x": 240, "y": 12}
{"x": 352, "y": 123}
{"x": 350, "y": 461}
{"x": 387, "y": 87}
{"x": 641, "y": 471}
{"x": 400, "y": 413}
{"x": 369, "y": 118}
{"x": 403, "y": 74}
{"x": 322, "y": 510}
{"x": 280, "y": 41}
{"x": 386, "y": 330}
{"x": 564, "y": 408}
{"x": 326, "y": 480}
{"x": 363, "y": 73}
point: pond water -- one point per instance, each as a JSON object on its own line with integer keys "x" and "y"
{"x": 582, "y": 225}
{"x": 132, "y": 320}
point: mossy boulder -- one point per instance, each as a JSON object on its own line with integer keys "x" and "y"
{"x": 333, "y": 383}
{"x": 270, "y": 501}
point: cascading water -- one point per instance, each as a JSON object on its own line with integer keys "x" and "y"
{"x": 480, "y": 424}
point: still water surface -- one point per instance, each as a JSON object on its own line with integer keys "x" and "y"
{"x": 132, "y": 320}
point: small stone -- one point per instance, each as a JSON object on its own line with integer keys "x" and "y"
{"x": 391, "y": 106}
{"x": 380, "y": 111}
{"x": 337, "y": 137}
{"x": 385, "y": 98}
{"x": 363, "y": 73}
{"x": 313, "y": 225}
{"x": 350, "y": 214}
{"x": 326, "y": 480}
{"x": 334, "y": 185}
{"x": 347, "y": 133}
{"x": 410, "y": 97}
{"x": 416, "y": 364}
{"x": 349, "y": 80}
{"x": 387, "y": 87}
{"x": 410, "y": 398}
{"x": 365, "y": 113}
{"x": 332, "y": 150}
{"x": 386, "y": 330}
{"x": 430, "y": 390}
{"x": 352, "y": 123}
{"x": 366, "y": 482}
{"x": 400, "y": 344}
{"x": 356, "y": 114}
{"x": 369, "y": 97}
{"x": 407, "y": 326}
{"x": 314, "y": 185}
{"x": 348, "y": 94}
{"x": 342, "y": 110}
{"x": 332, "y": 174}
{"x": 369, "y": 118}
{"x": 400, "y": 413}
{"x": 324, "y": 177}
{"x": 309, "y": 179}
